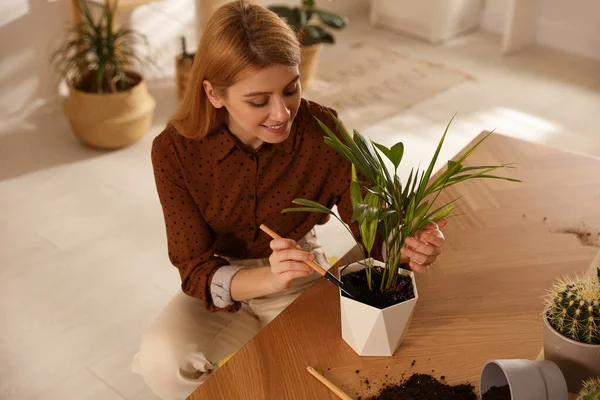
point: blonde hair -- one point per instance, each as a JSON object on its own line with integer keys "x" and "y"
{"x": 237, "y": 37}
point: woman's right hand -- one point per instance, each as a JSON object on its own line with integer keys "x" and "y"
{"x": 287, "y": 263}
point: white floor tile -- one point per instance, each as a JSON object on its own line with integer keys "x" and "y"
{"x": 81, "y": 386}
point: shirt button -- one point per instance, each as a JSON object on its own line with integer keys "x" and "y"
{"x": 251, "y": 197}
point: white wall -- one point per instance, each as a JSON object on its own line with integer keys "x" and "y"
{"x": 25, "y": 74}
{"x": 571, "y": 26}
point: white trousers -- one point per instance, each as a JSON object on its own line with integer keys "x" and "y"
{"x": 184, "y": 345}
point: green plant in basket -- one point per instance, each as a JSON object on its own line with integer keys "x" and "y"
{"x": 96, "y": 55}
{"x": 389, "y": 208}
{"x": 299, "y": 18}
{"x": 590, "y": 390}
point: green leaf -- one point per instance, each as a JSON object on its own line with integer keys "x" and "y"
{"x": 491, "y": 167}
{"x": 355, "y": 194}
{"x": 369, "y": 208}
{"x": 414, "y": 185}
{"x": 432, "y": 214}
{"x": 369, "y": 220}
{"x": 367, "y": 153}
{"x": 410, "y": 212}
{"x": 397, "y": 154}
{"x": 313, "y": 204}
{"x": 302, "y": 17}
{"x": 89, "y": 20}
{"x": 308, "y": 206}
{"x": 407, "y": 186}
{"x": 387, "y": 152}
{"x": 443, "y": 213}
{"x": 304, "y": 209}
{"x": 377, "y": 191}
{"x": 368, "y": 232}
{"x": 392, "y": 217}
{"x": 397, "y": 188}
{"x": 354, "y": 155}
{"x": 422, "y": 210}
{"x": 384, "y": 174}
{"x": 346, "y": 152}
{"x": 314, "y": 34}
{"x": 461, "y": 178}
{"x": 452, "y": 168}
{"x": 425, "y": 178}
{"x": 330, "y": 19}
{"x": 472, "y": 149}
{"x": 349, "y": 140}
{"x": 288, "y": 13}
{"x": 364, "y": 211}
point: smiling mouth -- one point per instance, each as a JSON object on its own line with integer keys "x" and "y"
{"x": 275, "y": 126}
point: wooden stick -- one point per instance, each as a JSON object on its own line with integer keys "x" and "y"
{"x": 320, "y": 270}
{"x": 330, "y": 385}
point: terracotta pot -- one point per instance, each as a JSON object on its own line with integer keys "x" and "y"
{"x": 308, "y": 64}
{"x": 370, "y": 331}
{"x": 527, "y": 380}
{"x": 578, "y": 361}
{"x": 112, "y": 120}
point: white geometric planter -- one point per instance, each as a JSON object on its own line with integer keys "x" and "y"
{"x": 370, "y": 331}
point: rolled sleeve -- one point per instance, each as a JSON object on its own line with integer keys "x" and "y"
{"x": 220, "y": 287}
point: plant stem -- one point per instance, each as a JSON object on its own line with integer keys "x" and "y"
{"x": 370, "y": 265}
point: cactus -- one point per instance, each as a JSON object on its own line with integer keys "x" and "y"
{"x": 573, "y": 308}
{"x": 590, "y": 390}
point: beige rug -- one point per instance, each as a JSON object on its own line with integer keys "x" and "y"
{"x": 368, "y": 83}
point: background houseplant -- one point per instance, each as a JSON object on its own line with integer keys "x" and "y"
{"x": 108, "y": 105}
{"x": 383, "y": 206}
{"x": 572, "y": 328}
{"x": 312, "y": 36}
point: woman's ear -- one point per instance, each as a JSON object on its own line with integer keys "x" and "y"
{"x": 212, "y": 96}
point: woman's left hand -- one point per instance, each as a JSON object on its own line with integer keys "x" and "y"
{"x": 422, "y": 249}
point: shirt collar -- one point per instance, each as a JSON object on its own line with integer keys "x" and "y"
{"x": 222, "y": 142}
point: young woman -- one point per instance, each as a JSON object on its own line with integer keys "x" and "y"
{"x": 242, "y": 145}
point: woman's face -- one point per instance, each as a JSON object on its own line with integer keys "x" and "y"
{"x": 261, "y": 105}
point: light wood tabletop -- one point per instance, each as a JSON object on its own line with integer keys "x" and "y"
{"x": 482, "y": 301}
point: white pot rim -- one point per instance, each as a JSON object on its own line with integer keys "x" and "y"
{"x": 563, "y": 337}
{"x": 401, "y": 271}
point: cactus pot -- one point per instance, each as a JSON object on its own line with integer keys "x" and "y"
{"x": 371, "y": 331}
{"x": 578, "y": 361}
{"x": 526, "y": 379}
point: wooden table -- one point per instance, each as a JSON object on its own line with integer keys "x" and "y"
{"x": 482, "y": 301}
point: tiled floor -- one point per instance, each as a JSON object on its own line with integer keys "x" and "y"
{"x": 82, "y": 246}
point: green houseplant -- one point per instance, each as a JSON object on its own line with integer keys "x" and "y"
{"x": 312, "y": 35}
{"x": 383, "y": 206}
{"x": 572, "y": 328}
{"x": 108, "y": 105}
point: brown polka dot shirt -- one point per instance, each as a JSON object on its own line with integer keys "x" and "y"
{"x": 215, "y": 194}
